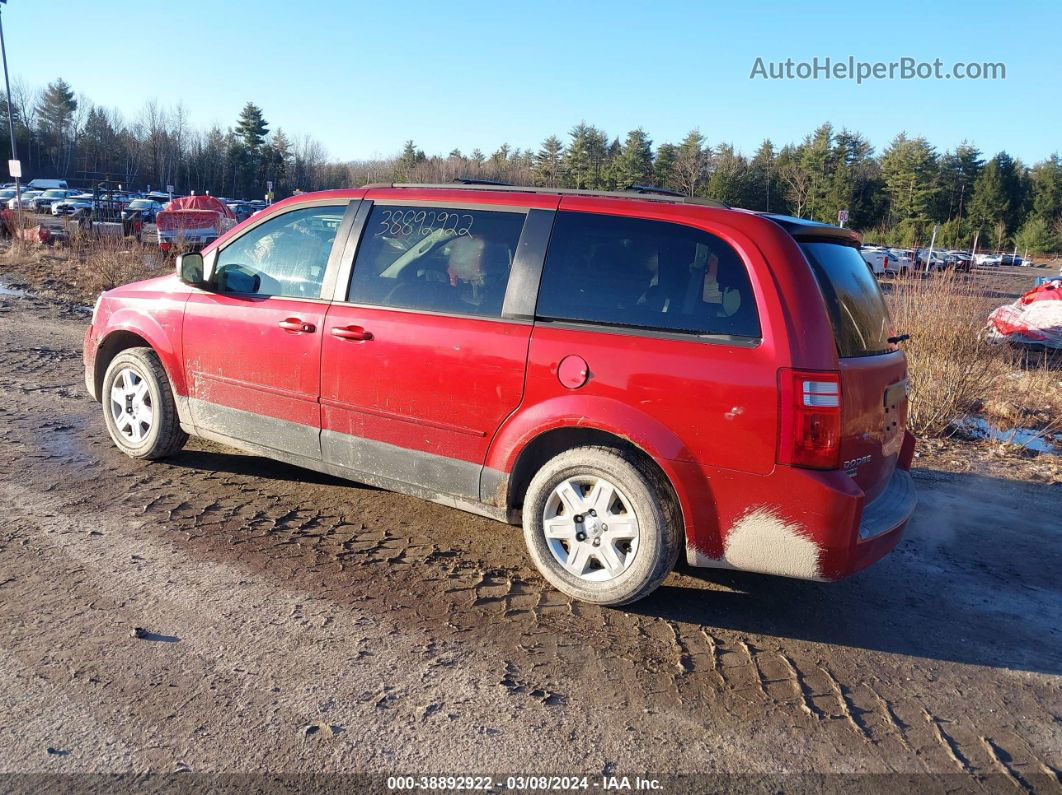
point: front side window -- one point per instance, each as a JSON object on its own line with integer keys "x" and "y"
{"x": 620, "y": 271}
{"x": 285, "y": 256}
{"x": 450, "y": 260}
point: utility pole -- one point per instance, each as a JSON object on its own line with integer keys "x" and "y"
{"x": 11, "y": 120}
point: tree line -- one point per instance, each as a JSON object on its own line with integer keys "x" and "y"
{"x": 895, "y": 197}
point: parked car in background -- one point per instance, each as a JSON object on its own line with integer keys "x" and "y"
{"x": 901, "y": 259}
{"x": 242, "y": 210}
{"x": 962, "y": 261}
{"x": 631, "y": 377}
{"x": 6, "y": 194}
{"x": 193, "y": 222}
{"x": 71, "y": 205}
{"x": 147, "y": 208}
{"x": 1010, "y": 259}
{"x": 877, "y": 258}
{"x": 26, "y": 200}
{"x": 43, "y": 203}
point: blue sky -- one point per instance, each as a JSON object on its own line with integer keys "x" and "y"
{"x": 363, "y": 77}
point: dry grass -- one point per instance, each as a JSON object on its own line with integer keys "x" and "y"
{"x": 952, "y": 369}
{"x": 82, "y": 266}
{"x": 956, "y": 374}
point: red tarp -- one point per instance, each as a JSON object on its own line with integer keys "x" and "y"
{"x": 1035, "y": 318}
{"x": 194, "y": 217}
{"x": 200, "y": 203}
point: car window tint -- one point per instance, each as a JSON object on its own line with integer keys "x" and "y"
{"x": 857, "y": 309}
{"x": 445, "y": 259}
{"x": 646, "y": 274}
{"x": 285, "y": 256}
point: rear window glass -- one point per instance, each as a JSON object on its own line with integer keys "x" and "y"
{"x": 854, "y": 301}
{"x": 645, "y": 274}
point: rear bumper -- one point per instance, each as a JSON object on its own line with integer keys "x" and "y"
{"x": 799, "y": 523}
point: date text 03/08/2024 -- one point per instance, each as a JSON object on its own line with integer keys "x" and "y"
{"x": 523, "y": 783}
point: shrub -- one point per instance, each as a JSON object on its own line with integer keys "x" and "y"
{"x": 951, "y": 368}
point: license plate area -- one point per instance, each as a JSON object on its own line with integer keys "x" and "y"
{"x": 894, "y": 417}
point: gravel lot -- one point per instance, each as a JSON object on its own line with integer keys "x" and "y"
{"x": 297, "y": 623}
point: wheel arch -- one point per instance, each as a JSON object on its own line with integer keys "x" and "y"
{"x": 549, "y": 443}
{"x": 123, "y": 334}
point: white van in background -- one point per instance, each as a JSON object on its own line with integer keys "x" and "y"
{"x": 45, "y": 184}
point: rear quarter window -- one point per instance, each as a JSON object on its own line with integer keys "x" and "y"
{"x": 619, "y": 271}
{"x": 856, "y": 307}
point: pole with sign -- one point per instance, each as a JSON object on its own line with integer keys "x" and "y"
{"x": 842, "y": 217}
{"x": 932, "y": 243}
{"x": 14, "y": 166}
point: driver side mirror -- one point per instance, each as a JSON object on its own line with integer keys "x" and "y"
{"x": 190, "y": 269}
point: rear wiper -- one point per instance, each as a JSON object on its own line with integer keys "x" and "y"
{"x": 899, "y": 339}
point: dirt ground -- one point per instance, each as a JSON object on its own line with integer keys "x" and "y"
{"x": 296, "y": 623}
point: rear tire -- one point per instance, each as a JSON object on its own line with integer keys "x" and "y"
{"x": 601, "y": 526}
{"x": 138, "y": 406}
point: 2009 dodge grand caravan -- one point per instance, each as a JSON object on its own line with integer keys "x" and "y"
{"x": 630, "y": 374}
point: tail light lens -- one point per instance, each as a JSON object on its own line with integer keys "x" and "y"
{"x": 810, "y": 419}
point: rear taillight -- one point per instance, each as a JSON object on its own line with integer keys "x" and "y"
{"x": 810, "y": 419}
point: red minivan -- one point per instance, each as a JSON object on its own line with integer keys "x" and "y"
{"x": 629, "y": 375}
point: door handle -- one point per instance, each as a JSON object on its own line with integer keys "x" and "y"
{"x": 295, "y": 324}
{"x": 351, "y": 333}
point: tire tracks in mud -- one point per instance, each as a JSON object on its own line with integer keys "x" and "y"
{"x": 458, "y": 579}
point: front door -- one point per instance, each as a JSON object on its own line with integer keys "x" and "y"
{"x": 419, "y": 365}
{"x": 252, "y": 344}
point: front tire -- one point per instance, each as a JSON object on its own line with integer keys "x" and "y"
{"x": 138, "y": 406}
{"x": 601, "y": 526}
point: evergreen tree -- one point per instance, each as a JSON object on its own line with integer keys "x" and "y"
{"x": 547, "y": 163}
{"x": 996, "y": 203}
{"x": 579, "y": 157}
{"x": 1047, "y": 190}
{"x": 664, "y": 167}
{"x": 252, "y": 128}
{"x": 55, "y": 113}
{"x": 958, "y": 175}
{"x": 633, "y": 164}
{"x": 818, "y": 160}
{"x": 408, "y": 161}
{"x": 728, "y": 179}
{"x": 1037, "y": 235}
{"x": 763, "y": 184}
{"x": 278, "y": 160}
{"x": 691, "y": 163}
{"x": 909, "y": 169}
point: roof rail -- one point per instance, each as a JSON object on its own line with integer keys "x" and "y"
{"x": 635, "y": 192}
{"x": 477, "y": 181}
{"x": 654, "y": 189}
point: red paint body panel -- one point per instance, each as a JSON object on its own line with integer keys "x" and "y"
{"x": 477, "y": 392}
{"x": 439, "y": 385}
{"x": 236, "y": 354}
{"x": 152, "y": 309}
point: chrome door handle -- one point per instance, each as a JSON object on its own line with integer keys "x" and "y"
{"x": 356, "y": 333}
{"x": 296, "y": 325}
